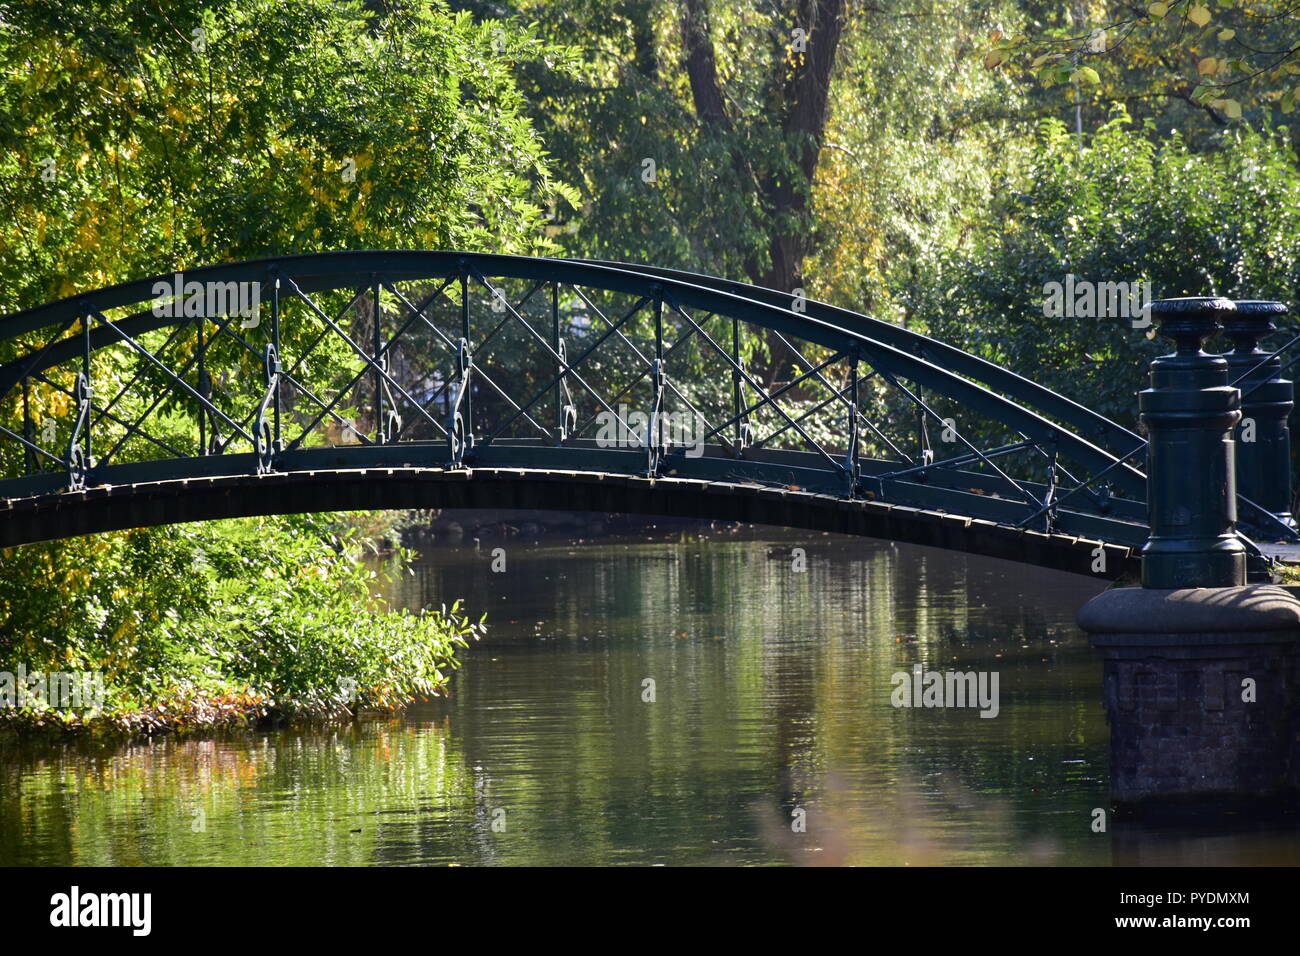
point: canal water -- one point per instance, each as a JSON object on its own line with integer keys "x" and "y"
{"x": 724, "y": 697}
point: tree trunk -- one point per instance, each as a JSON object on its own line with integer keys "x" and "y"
{"x": 800, "y": 95}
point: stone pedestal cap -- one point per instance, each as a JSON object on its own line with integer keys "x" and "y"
{"x": 1252, "y": 614}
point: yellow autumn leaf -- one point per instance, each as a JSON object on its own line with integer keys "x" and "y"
{"x": 1226, "y": 35}
{"x": 1199, "y": 15}
{"x": 1229, "y": 108}
{"x": 1158, "y": 9}
{"x": 1207, "y": 66}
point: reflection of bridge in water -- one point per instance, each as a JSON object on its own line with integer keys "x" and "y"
{"x": 442, "y": 379}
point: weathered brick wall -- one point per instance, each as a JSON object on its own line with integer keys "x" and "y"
{"x": 1179, "y": 725}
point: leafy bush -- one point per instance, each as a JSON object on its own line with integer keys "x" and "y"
{"x": 278, "y": 614}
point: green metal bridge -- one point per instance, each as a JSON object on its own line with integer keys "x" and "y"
{"x": 364, "y": 380}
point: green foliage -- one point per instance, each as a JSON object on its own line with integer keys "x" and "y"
{"x": 142, "y": 138}
{"x": 184, "y": 133}
{"x": 279, "y": 613}
{"x": 626, "y": 98}
{"x": 1192, "y": 65}
{"x": 917, "y": 134}
{"x": 1124, "y": 207}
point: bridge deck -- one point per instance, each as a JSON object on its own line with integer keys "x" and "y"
{"x": 1286, "y": 553}
{"x": 117, "y": 507}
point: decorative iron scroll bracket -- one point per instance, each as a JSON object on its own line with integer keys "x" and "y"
{"x": 391, "y": 426}
{"x": 208, "y": 419}
{"x": 264, "y": 430}
{"x": 460, "y": 435}
{"x": 390, "y": 421}
{"x": 1049, "y": 496}
{"x": 744, "y": 437}
{"x": 79, "y": 462}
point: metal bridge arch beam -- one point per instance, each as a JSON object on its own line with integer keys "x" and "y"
{"x": 1046, "y": 423}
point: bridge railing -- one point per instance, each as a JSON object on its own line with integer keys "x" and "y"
{"x": 453, "y": 360}
{"x": 1266, "y": 501}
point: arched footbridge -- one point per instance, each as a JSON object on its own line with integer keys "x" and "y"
{"x": 407, "y": 379}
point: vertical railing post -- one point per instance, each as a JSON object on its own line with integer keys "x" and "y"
{"x": 1263, "y": 438}
{"x": 381, "y": 436}
{"x": 742, "y": 430}
{"x": 654, "y": 438}
{"x": 78, "y": 449}
{"x": 87, "y": 400}
{"x": 560, "y": 430}
{"x": 1189, "y": 412}
{"x": 275, "y": 342}
{"x": 204, "y": 388}
{"x": 29, "y": 427}
{"x": 851, "y": 459}
{"x": 467, "y": 399}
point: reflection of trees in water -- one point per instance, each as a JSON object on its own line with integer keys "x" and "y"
{"x": 767, "y": 679}
{"x": 303, "y": 797}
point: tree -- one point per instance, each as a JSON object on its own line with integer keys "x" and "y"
{"x": 917, "y": 135}
{"x": 1220, "y": 60}
{"x": 1125, "y": 208}
{"x": 694, "y": 128}
{"x": 142, "y": 137}
{"x": 795, "y": 90}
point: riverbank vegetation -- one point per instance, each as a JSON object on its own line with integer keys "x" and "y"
{"x": 223, "y": 623}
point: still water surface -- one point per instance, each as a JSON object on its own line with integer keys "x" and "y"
{"x": 771, "y": 710}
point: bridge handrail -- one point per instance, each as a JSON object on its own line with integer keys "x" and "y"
{"x": 830, "y": 327}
